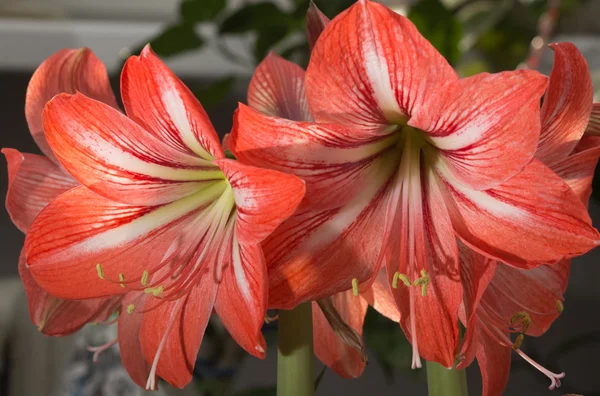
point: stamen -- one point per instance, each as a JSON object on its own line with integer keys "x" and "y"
{"x": 145, "y": 276}
{"x": 151, "y": 382}
{"x": 423, "y": 281}
{"x": 518, "y": 342}
{"x": 122, "y": 279}
{"x": 560, "y": 307}
{"x": 130, "y": 308}
{"x": 271, "y": 319}
{"x": 355, "y": 289}
{"x": 99, "y": 349}
{"x": 403, "y": 278}
{"x": 155, "y": 291}
{"x": 555, "y": 378}
{"x": 100, "y": 271}
{"x": 524, "y": 318}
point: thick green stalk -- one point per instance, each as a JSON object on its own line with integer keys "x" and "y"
{"x": 295, "y": 352}
{"x": 444, "y": 382}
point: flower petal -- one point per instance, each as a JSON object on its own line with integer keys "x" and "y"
{"x": 157, "y": 100}
{"x": 277, "y": 89}
{"x": 172, "y": 332}
{"x": 494, "y": 363}
{"x": 345, "y": 360}
{"x": 486, "y": 127}
{"x": 380, "y": 297}
{"x": 82, "y": 244}
{"x": 116, "y": 158}
{"x": 476, "y": 272}
{"x": 425, "y": 252}
{"x": 68, "y": 70}
{"x": 371, "y": 68}
{"x": 130, "y": 344}
{"x": 242, "y": 297}
{"x": 532, "y": 219}
{"x": 56, "y": 317}
{"x": 567, "y": 104}
{"x": 538, "y": 292}
{"x": 264, "y": 198}
{"x": 335, "y": 162}
{"x": 315, "y": 23}
{"x": 593, "y": 127}
{"x": 577, "y": 170}
{"x": 33, "y": 181}
{"x": 318, "y": 253}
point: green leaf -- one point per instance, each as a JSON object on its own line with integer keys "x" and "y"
{"x": 255, "y": 17}
{"x": 439, "y": 26}
{"x": 175, "y": 40}
{"x": 194, "y": 11}
{"x": 215, "y": 92}
{"x": 257, "y": 392}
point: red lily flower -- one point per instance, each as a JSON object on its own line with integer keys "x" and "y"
{"x": 278, "y": 89}
{"x": 509, "y": 300}
{"x": 403, "y": 158}
{"x": 162, "y": 216}
{"x": 35, "y": 180}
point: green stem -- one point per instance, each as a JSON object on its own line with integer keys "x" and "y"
{"x": 295, "y": 352}
{"x": 444, "y": 382}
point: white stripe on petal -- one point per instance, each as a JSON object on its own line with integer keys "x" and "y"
{"x": 238, "y": 270}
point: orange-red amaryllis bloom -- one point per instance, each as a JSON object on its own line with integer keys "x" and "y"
{"x": 403, "y": 158}
{"x": 35, "y": 180}
{"x": 162, "y": 216}
{"x": 502, "y": 299}
{"x": 277, "y": 89}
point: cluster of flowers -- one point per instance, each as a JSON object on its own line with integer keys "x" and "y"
{"x": 377, "y": 177}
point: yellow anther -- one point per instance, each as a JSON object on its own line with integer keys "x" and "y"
{"x": 560, "y": 307}
{"x": 145, "y": 276}
{"x": 403, "y": 278}
{"x": 100, "y": 271}
{"x": 155, "y": 291}
{"x": 130, "y": 308}
{"x": 518, "y": 342}
{"x": 355, "y": 289}
{"x": 122, "y": 279}
{"x": 423, "y": 281}
{"x": 524, "y": 318}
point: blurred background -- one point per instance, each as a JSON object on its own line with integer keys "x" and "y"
{"x": 214, "y": 45}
